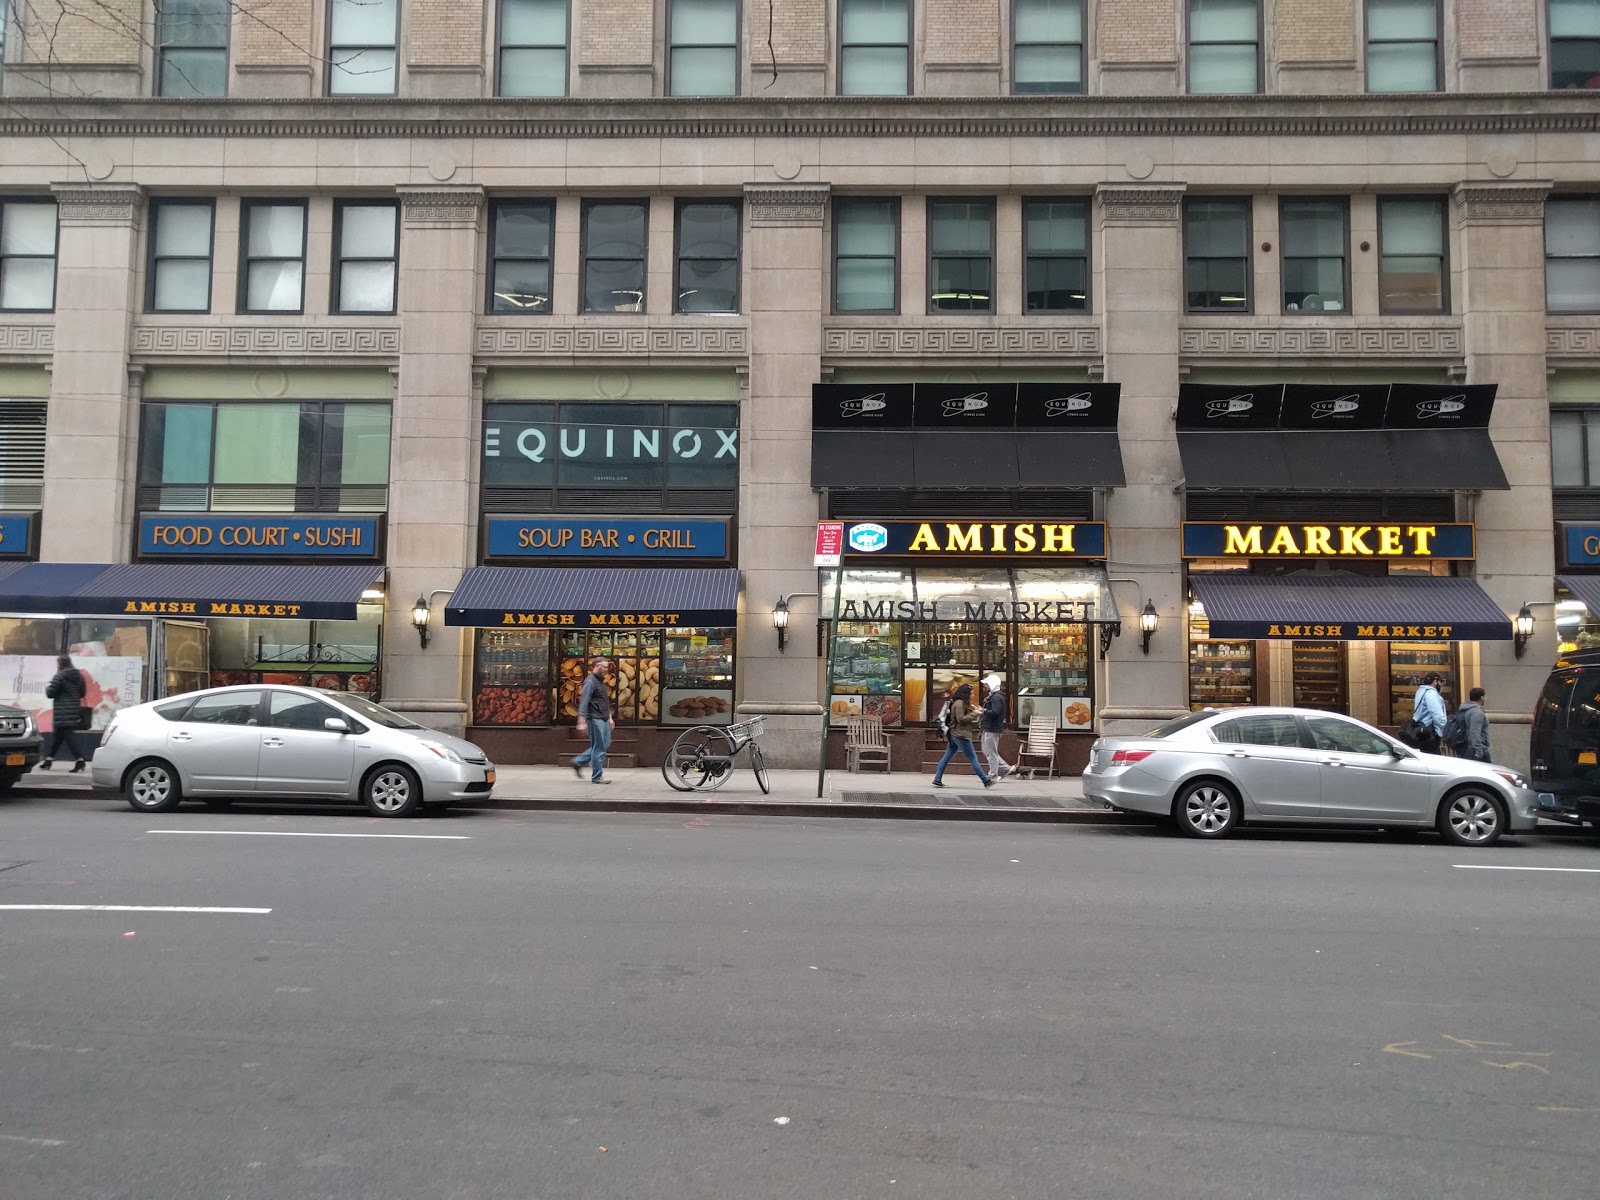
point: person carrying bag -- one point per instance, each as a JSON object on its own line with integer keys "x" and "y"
{"x": 66, "y": 689}
{"x": 963, "y": 725}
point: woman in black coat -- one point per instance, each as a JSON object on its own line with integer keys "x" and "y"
{"x": 66, "y": 688}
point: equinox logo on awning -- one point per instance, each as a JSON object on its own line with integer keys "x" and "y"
{"x": 1241, "y": 403}
{"x": 1334, "y": 408}
{"x": 966, "y": 406}
{"x": 1440, "y": 408}
{"x": 1062, "y": 406}
{"x": 863, "y": 404}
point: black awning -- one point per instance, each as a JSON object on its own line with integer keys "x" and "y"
{"x": 1069, "y": 460}
{"x": 1350, "y": 607}
{"x": 948, "y": 460}
{"x": 1356, "y": 460}
{"x": 851, "y": 459}
{"x": 595, "y": 597}
{"x": 1436, "y": 460}
{"x": 294, "y": 591}
{"x": 1007, "y": 458}
{"x": 1237, "y": 462}
{"x": 1585, "y": 588}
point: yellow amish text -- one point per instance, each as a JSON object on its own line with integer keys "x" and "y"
{"x": 996, "y": 538}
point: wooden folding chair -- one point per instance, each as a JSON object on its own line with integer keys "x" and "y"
{"x": 1039, "y": 744}
{"x": 865, "y": 742}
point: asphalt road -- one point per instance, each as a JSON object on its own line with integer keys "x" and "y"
{"x": 545, "y": 1006}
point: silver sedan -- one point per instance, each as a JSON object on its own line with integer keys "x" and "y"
{"x": 284, "y": 743}
{"x": 1210, "y": 771}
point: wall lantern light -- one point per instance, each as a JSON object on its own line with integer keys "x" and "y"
{"x": 420, "y": 614}
{"x": 1148, "y": 621}
{"x": 1522, "y": 629}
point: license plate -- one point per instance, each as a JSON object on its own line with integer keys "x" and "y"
{"x": 16, "y": 760}
{"x": 1586, "y": 758}
{"x": 488, "y": 776}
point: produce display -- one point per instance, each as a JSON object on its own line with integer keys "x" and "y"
{"x": 511, "y": 706}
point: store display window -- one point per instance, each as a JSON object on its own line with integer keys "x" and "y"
{"x": 114, "y": 655}
{"x": 1222, "y": 673}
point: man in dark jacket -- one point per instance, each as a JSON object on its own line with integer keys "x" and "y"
{"x": 595, "y": 720}
{"x": 996, "y": 710}
{"x": 66, "y": 688}
{"x": 1477, "y": 726}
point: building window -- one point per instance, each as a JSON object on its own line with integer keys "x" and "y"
{"x": 1315, "y": 235}
{"x": 874, "y": 47}
{"x": 180, "y": 257}
{"x": 1402, "y": 46}
{"x": 1575, "y": 447}
{"x": 362, "y": 35}
{"x": 1224, "y": 47}
{"x": 614, "y": 240}
{"x": 708, "y": 256}
{"x": 192, "y": 47}
{"x": 1575, "y": 43}
{"x": 1055, "y": 252}
{"x": 1046, "y": 46}
{"x": 519, "y": 256}
{"x": 367, "y": 238}
{"x": 533, "y": 47}
{"x": 703, "y": 55}
{"x": 273, "y": 249}
{"x": 27, "y": 255}
{"x": 1572, "y": 254}
{"x": 22, "y": 432}
{"x": 1216, "y": 254}
{"x": 960, "y": 255}
{"x": 866, "y": 252}
{"x": 1411, "y": 255}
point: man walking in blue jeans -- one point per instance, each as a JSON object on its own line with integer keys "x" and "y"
{"x": 594, "y": 718}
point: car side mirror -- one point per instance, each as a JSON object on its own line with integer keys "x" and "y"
{"x": 1398, "y": 751}
{"x": 335, "y": 725}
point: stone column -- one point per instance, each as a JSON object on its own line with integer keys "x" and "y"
{"x": 778, "y": 511}
{"x": 1501, "y": 244}
{"x": 1139, "y": 232}
{"x": 88, "y": 502}
{"x": 433, "y": 523}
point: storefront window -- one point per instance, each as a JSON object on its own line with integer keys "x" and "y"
{"x": 1222, "y": 674}
{"x": 511, "y": 682}
{"x": 336, "y": 656}
{"x": 114, "y": 655}
{"x": 1409, "y": 662}
{"x": 868, "y": 678}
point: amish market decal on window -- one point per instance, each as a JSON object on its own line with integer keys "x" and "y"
{"x": 165, "y": 535}
{"x": 1057, "y": 612}
{"x": 970, "y": 539}
{"x": 602, "y": 537}
{"x": 1207, "y": 539}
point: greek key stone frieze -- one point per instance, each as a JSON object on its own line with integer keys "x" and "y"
{"x": 1287, "y": 341}
{"x": 1564, "y": 342}
{"x": 440, "y": 207}
{"x": 1520, "y": 203}
{"x": 644, "y": 340}
{"x": 1078, "y": 341}
{"x": 791, "y": 204}
{"x": 267, "y": 340}
{"x": 1139, "y": 204}
{"x": 97, "y": 203}
{"x": 27, "y": 339}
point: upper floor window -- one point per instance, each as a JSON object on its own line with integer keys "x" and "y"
{"x": 874, "y": 47}
{"x": 960, "y": 255}
{"x": 362, "y": 35}
{"x": 272, "y": 252}
{"x": 1411, "y": 255}
{"x": 1315, "y": 235}
{"x": 519, "y": 256}
{"x": 1224, "y": 46}
{"x": 1055, "y": 255}
{"x": 180, "y": 256}
{"x": 1216, "y": 254}
{"x": 366, "y": 238}
{"x": 192, "y": 47}
{"x": 1575, "y": 43}
{"x": 1575, "y": 447}
{"x": 27, "y": 255}
{"x": 533, "y": 47}
{"x": 866, "y": 255}
{"x": 1046, "y": 46}
{"x": 703, "y": 54}
{"x": 1572, "y": 254}
{"x": 22, "y": 435}
{"x": 1402, "y": 45}
{"x": 708, "y": 256}
{"x": 614, "y": 240}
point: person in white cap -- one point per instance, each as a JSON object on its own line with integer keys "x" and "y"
{"x": 996, "y": 711}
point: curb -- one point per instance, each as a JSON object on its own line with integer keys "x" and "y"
{"x": 778, "y": 808}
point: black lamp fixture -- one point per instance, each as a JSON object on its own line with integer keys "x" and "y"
{"x": 780, "y": 621}
{"x": 1522, "y": 629}
{"x": 420, "y": 614}
{"x": 1149, "y": 619}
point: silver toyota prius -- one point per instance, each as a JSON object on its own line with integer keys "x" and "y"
{"x": 1209, "y": 771}
{"x": 284, "y": 743}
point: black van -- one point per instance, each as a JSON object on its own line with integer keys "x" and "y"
{"x": 1564, "y": 748}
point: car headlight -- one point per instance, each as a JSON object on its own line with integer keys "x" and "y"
{"x": 443, "y": 751}
{"x": 1511, "y": 777}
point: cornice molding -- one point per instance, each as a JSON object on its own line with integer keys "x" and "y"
{"x": 98, "y": 203}
{"x": 28, "y": 339}
{"x": 803, "y": 204}
{"x": 268, "y": 341}
{"x": 447, "y": 206}
{"x": 1515, "y": 202}
{"x": 946, "y": 342}
{"x": 1436, "y": 342}
{"x": 619, "y": 341}
{"x": 1140, "y": 203}
{"x": 1572, "y": 341}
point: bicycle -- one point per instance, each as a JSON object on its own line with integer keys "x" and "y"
{"x": 701, "y": 758}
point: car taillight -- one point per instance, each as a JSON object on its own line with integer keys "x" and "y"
{"x": 1131, "y": 756}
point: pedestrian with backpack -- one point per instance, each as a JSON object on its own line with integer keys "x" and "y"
{"x": 960, "y": 723}
{"x": 1466, "y": 734}
{"x": 1427, "y": 715}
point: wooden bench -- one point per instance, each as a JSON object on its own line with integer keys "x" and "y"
{"x": 865, "y": 742}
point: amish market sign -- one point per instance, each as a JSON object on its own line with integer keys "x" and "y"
{"x": 1056, "y": 612}
{"x": 1035, "y": 540}
{"x": 1207, "y": 539}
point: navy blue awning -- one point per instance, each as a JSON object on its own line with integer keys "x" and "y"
{"x": 1585, "y": 588}
{"x": 1350, "y": 608}
{"x": 595, "y": 597}
{"x": 299, "y": 591}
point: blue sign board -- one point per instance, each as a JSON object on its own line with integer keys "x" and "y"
{"x": 1580, "y": 544}
{"x": 1343, "y": 539}
{"x": 16, "y": 535}
{"x": 605, "y": 537}
{"x": 170, "y": 535}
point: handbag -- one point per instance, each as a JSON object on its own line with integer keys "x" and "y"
{"x": 85, "y": 717}
{"x": 1410, "y": 732}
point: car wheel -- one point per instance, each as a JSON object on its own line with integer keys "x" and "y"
{"x": 1471, "y": 816}
{"x": 152, "y": 786}
{"x": 392, "y": 791}
{"x": 1206, "y": 808}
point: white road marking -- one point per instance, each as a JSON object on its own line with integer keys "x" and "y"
{"x": 414, "y": 837}
{"x": 170, "y": 908}
{"x": 30, "y": 1141}
{"x": 1563, "y": 870}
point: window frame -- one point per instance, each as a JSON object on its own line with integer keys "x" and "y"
{"x": 161, "y": 48}
{"x": 678, "y": 258}
{"x": 153, "y": 259}
{"x": 1086, "y": 203}
{"x": 932, "y": 256}
{"x": 910, "y": 42}
{"x": 8, "y": 202}
{"x": 1347, "y": 300}
{"x": 1248, "y": 207}
{"x": 340, "y": 258}
{"x": 247, "y": 205}
{"x": 1551, "y": 40}
{"x": 1083, "y": 56}
{"x": 668, "y": 86}
{"x": 334, "y": 48}
{"x": 1588, "y": 197}
{"x": 1444, "y": 256}
{"x": 493, "y": 259}
{"x": 500, "y": 47}
{"x": 587, "y": 207}
{"x": 897, "y": 216}
{"x": 1367, "y": 42}
{"x": 1588, "y": 414}
{"x": 1189, "y": 45}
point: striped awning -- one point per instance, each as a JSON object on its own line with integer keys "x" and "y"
{"x": 595, "y": 597}
{"x": 1350, "y": 607}
{"x": 289, "y": 591}
{"x": 1585, "y": 588}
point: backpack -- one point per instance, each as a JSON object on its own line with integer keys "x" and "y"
{"x": 947, "y": 720}
{"x": 1455, "y": 733}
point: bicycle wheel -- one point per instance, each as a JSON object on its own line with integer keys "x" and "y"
{"x": 700, "y": 759}
{"x": 758, "y": 764}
